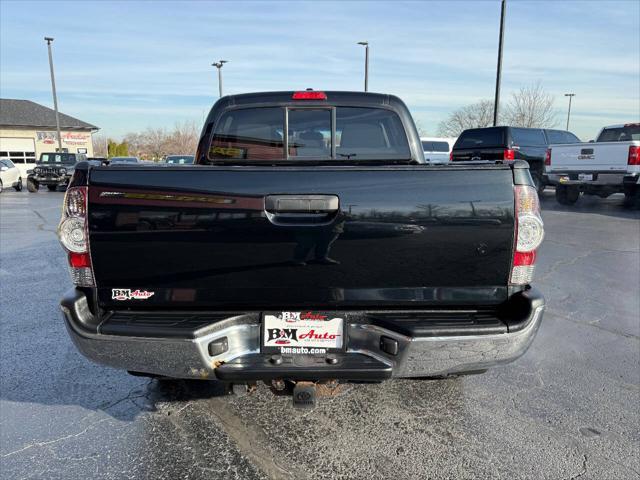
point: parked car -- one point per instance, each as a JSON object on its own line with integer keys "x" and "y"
{"x": 101, "y": 160}
{"x": 437, "y": 149}
{"x": 510, "y": 143}
{"x": 294, "y": 269}
{"x": 609, "y": 165}
{"x": 121, "y": 160}
{"x": 179, "y": 159}
{"x": 9, "y": 175}
{"x": 53, "y": 170}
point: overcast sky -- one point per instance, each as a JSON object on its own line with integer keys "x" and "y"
{"x": 125, "y": 66}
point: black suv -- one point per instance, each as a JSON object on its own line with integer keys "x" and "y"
{"x": 510, "y": 143}
{"x": 53, "y": 170}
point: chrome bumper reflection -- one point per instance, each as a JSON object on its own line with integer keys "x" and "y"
{"x": 435, "y": 356}
{"x": 190, "y": 358}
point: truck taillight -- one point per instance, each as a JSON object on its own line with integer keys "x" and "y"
{"x": 73, "y": 235}
{"x": 634, "y": 155}
{"x": 529, "y": 234}
{"x": 547, "y": 158}
{"x": 509, "y": 154}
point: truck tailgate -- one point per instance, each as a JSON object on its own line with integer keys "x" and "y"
{"x": 584, "y": 157}
{"x": 274, "y": 237}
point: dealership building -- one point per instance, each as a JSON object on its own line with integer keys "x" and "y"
{"x": 28, "y": 129}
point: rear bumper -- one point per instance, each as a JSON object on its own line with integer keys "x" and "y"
{"x": 230, "y": 349}
{"x": 600, "y": 179}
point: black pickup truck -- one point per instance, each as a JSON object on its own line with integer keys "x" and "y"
{"x": 308, "y": 243}
{"x": 510, "y": 144}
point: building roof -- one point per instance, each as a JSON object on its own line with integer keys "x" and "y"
{"x": 25, "y": 113}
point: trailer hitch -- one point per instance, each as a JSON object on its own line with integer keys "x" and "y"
{"x": 305, "y": 395}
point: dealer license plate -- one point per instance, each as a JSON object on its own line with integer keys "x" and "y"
{"x": 302, "y": 332}
{"x": 585, "y": 177}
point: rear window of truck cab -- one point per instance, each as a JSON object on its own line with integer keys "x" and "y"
{"x": 528, "y": 137}
{"x": 429, "y": 146}
{"x": 561, "y": 136}
{"x": 481, "y": 138}
{"x": 309, "y": 133}
{"x": 626, "y": 133}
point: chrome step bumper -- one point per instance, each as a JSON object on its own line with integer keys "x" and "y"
{"x": 238, "y": 336}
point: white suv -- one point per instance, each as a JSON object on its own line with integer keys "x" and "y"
{"x": 9, "y": 175}
{"x": 436, "y": 149}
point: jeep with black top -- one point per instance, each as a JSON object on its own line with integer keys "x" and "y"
{"x": 53, "y": 170}
{"x": 309, "y": 243}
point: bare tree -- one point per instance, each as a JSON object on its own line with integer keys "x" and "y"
{"x": 99, "y": 146}
{"x": 137, "y": 144}
{"x": 155, "y": 143}
{"x": 472, "y": 116}
{"x": 158, "y": 142}
{"x": 184, "y": 138}
{"x": 530, "y": 107}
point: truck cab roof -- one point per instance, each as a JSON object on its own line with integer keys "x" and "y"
{"x": 354, "y": 127}
{"x": 332, "y": 97}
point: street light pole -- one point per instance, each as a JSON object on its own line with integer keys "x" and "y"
{"x": 496, "y": 102}
{"x": 570, "y": 95}
{"x": 219, "y": 65}
{"x": 366, "y": 65}
{"x": 55, "y": 96}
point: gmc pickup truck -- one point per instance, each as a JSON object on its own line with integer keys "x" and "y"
{"x": 308, "y": 244}
{"x": 609, "y": 165}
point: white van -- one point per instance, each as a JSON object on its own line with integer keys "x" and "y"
{"x": 437, "y": 149}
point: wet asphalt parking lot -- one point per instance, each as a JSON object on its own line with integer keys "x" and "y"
{"x": 568, "y": 409}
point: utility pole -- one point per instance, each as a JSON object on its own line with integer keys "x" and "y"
{"x": 219, "y": 65}
{"x": 496, "y": 102}
{"x": 570, "y": 95}
{"x": 366, "y": 65}
{"x": 55, "y": 96}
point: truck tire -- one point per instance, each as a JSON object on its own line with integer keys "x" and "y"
{"x": 52, "y": 188}
{"x": 0, "y": 186}
{"x": 567, "y": 195}
{"x": 32, "y": 186}
{"x": 18, "y": 186}
{"x": 632, "y": 199}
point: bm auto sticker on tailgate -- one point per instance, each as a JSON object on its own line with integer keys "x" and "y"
{"x": 122, "y": 294}
{"x": 302, "y": 332}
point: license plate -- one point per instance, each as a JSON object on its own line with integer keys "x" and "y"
{"x": 302, "y": 332}
{"x": 585, "y": 176}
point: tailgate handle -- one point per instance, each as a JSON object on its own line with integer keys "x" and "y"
{"x": 586, "y": 151}
{"x": 301, "y": 203}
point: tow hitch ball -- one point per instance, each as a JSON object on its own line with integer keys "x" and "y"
{"x": 304, "y": 395}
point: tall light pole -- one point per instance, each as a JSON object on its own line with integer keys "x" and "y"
{"x": 570, "y": 95}
{"x": 496, "y": 102}
{"x": 219, "y": 65}
{"x": 55, "y": 96}
{"x": 366, "y": 65}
